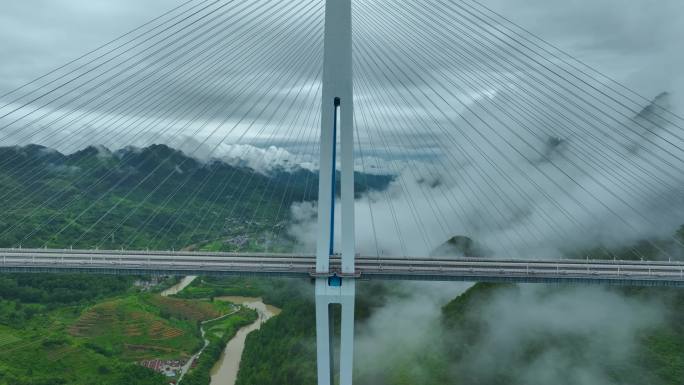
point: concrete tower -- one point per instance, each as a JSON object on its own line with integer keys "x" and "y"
{"x": 336, "y": 288}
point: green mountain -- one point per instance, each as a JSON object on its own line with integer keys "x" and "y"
{"x": 489, "y": 335}
{"x": 516, "y": 334}
{"x": 84, "y": 330}
{"x": 459, "y": 246}
{"x": 158, "y": 197}
{"x": 154, "y": 197}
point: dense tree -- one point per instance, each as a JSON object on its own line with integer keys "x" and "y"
{"x": 60, "y": 289}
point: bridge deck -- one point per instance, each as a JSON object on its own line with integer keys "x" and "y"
{"x": 636, "y": 273}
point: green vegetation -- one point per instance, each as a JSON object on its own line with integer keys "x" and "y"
{"x": 657, "y": 356}
{"x": 58, "y": 360}
{"x": 284, "y": 351}
{"x": 212, "y": 287}
{"x": 286, "y": 340}
{"x": 227, "y": 327}
{"x": 88, "y": 330}
{"x": 43, "y": 351}
{"x": 25, "y": 297}
{"x": 36, "y": 347}
{"x": 218, "y": 333}
{"x": 131, "y": 187}
{"x": 136, "y": 198}
{"x": 85, "y": 330}
{"x": 141, "y": 327}
{"x": 7, "y": 336}
{"x": 61, "y": 289}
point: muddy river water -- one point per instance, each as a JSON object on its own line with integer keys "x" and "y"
{"x": 226, "y": 369}
{"x": 177, "y": 288}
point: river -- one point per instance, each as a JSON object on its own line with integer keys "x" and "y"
{"x": 226, "y": 369}
{"x": 177, "y": 288}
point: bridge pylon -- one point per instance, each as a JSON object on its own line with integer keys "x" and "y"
{"x": 335, "y": 287}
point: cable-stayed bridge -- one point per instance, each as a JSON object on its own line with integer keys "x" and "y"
{"x": 485, "y": 129}
{"x": 625, "y": 273}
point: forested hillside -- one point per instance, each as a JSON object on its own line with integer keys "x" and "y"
{"x": 40, "y": 339}
{"x": 600, "y": 348}
{"x": 60, "y": 329}
{"x": 155, "y": 197}
{"x": 50, "y": 326}
{"x": 491, "y": 334}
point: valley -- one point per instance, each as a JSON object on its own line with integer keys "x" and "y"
{"x": 81, "y": 330}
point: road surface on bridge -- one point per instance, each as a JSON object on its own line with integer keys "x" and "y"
{"x": 638, "y": 273}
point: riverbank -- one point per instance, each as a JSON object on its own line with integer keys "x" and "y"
{"x": 225, "y": 371}
{"x": 177, "y": 288}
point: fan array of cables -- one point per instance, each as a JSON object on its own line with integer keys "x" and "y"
{"x": 508, "y": 140}
{"x": 467, "y": 126}
{"x": 212, "y": 78}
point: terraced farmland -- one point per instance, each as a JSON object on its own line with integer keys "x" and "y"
{"x": 145, "y": 327}
{"x": 188, "y": 310}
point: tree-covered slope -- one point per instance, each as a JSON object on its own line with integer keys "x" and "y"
{"x": 84, "y": 330}
{"x": 489, "y": 335}
{"x": 511, "y": 334}
{"x": 155, "y": 197}
{"x": 38, "y": 343}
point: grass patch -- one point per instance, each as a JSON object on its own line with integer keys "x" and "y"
{"x": 209, "y": 287}
{"x": 7, "y": 336}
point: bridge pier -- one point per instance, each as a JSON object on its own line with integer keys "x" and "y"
{"x": 326, "y": 298}
{"x": 336, "y": 118}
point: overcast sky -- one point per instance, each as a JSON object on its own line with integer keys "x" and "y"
{"x": 637, "y": 41}
{"x": 417, "y": 101}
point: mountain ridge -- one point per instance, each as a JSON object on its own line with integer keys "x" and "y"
{"x": 146, "y": 197}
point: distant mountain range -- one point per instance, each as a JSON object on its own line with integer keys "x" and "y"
{"x": 155, "y": 197}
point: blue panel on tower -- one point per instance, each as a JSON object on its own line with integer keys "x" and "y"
{"x": 335, "y": 281}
